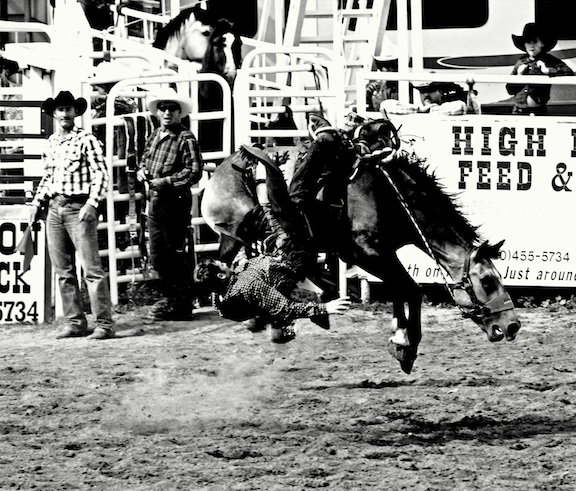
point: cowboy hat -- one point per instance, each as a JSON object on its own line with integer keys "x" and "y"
{"x": 113, "y": 71}
{"x": 172, "y": 96}
{"x": 441, "y": 86}
{"x": 65, "y": 98}
{"x": 531, "y": 32}
{"x": 10, "y": 66}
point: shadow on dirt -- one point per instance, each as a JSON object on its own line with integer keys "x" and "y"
{"x": 477, "y": 428}
{"x": 144, "y": 327}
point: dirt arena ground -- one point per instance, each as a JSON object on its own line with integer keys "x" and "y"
{"x": 207, "y": 405}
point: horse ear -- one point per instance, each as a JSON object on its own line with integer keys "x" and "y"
{"x": 488, "y": 250}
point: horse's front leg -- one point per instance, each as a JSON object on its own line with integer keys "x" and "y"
{"x": 406, "y": 322}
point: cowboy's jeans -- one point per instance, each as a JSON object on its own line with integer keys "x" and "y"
{"x": 168, "y": 221}
{"x": 66, "y": 235}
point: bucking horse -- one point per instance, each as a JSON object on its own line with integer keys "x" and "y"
{"x": 381, "y": 198}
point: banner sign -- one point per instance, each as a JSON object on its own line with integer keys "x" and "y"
{"x": 515, "y": 179}
{"x": 24, "y": 295}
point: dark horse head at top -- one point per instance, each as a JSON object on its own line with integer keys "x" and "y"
{"x": 224, "y": 53}
{"x": 390, "y": 200}
{"x": 198, "y": 35}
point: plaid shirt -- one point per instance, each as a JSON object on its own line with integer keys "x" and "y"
{"x": 173, "y": 153}
{"x": 73, "y": 165}
{"x": 259, "y": 287}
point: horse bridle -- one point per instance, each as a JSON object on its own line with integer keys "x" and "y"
{"x": 479, "y": 310}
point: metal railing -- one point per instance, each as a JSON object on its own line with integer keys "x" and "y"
{"x": 306, "y": 76}
{"x": 186, "y": 84}
{"x": 364, "y": 77}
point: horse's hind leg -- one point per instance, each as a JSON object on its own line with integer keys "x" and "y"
{"x": 406, "y": 307}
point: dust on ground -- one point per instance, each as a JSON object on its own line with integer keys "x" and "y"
{"x": 206, "y": 405}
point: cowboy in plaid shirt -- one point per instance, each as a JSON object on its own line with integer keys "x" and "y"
{"x": 171, "y": 163}
{"x": 74, "y": 183}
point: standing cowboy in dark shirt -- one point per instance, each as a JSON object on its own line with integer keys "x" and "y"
{"x": 171, "y": 163}
{"x": 536, "y": 42}
{"x": 260, "y": 287}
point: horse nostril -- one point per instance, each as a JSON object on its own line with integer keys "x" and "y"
{"x": 512, "y": 330}
{"x": 496, "y": 335}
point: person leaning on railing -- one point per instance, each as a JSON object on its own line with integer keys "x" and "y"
{"x": 446, "y": 98}
{"x": 536, "y": 42}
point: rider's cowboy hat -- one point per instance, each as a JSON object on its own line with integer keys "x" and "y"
{"x": 172, "y": 96}
{"x": 531, "y": 32}
{"x": 65, "y": 98}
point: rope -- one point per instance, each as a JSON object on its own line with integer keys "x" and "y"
{"x": 418, "y": 230}
{"x": 479, "y": 309}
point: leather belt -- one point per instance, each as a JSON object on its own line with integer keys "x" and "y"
{"x": 64, "y": 199}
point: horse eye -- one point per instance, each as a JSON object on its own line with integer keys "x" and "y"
{"x": 488, "y": 284}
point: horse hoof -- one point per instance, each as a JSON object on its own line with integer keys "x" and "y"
{"x": 399, "y": 352}
{"x": 404, "y": 354}
{"x": 407, "y": 365}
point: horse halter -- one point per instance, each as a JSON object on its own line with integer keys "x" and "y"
{"x": 480, "y": 310}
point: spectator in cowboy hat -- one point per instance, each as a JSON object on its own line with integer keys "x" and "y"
{"x": 75, "y": 182}
{"x": 447, "y": 98}
{"x": 536, "y": 42}
{"x": 171, "y": 163}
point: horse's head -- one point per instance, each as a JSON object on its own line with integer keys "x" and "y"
{"x": 482, "y": 296}
{"x": 223, "y": 55}
{"x": 187, "y": 35}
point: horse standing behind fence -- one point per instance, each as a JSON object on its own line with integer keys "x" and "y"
{"x": 223, "y": 57}
{"x": 196, "y": 35}
{"x": 186, "y": 35}
{"x": 391, "y": 201}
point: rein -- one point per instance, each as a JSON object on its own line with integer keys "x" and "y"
{"x": 479, "y": 310}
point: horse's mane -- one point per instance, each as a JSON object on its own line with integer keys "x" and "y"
{"x": 425, "y": 194}
{"x": 173, "y": 27}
